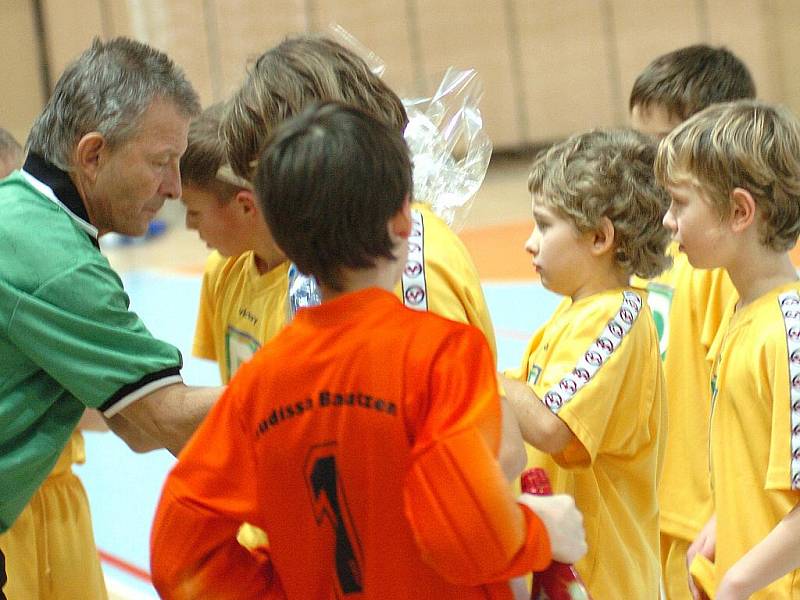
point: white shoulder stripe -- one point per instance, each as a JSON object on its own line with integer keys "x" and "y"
{"x": 415, "y": 289}
{"x": 790, "y": 309}
{"x": 597, "y": 354}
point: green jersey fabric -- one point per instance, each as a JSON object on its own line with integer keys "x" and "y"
{"x": 67, "y": 337}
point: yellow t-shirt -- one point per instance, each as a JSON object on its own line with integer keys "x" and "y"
{"x": 596, "y": 365}
{"x": 755, "y": 429}
{"x": 240, "y": 309}
{"x": 687, "y": 305}
{"x": 446, "y": 282}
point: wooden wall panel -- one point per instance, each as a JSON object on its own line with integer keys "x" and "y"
{"x": 645, "y": 29}
{"x": 783, "y": 25}
{"x": 70, "y": 27}
{"x": 565, "y": 75}
{"x": 177, "y": 27}
{"x": 742, "y": 26}
{"x": 470, "y": 33}
{"x": 22, "y": 95}
{"x": 549, "y": 67}
{"x": 249, "y": 27}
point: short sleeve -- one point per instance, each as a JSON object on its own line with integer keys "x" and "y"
{"x": 204, "y": 344}
{"x": 78, "y": 329}
{"x": 584, "y": 382}
{"x": 780, "y": 381}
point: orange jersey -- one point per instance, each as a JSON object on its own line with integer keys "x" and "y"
{"x": 363, "y": 440}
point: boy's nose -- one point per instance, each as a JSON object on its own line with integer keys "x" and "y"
{"x": 532, "y": 244}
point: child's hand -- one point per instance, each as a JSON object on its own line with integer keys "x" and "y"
{"x": 705, "y": 544}
{"x": 563, "y": 522}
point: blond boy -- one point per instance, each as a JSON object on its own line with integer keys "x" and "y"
{"x": 687, "y": 303}
{"x": 245, "y": 286}
{"x": 589, "y": 394}
{"x": 733, "y": 174}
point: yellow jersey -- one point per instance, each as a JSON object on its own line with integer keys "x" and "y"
{"x": 688, "y": 306}
{"x": 241, "y": 309}
{"x": 440, "y": 276}
{"x": 596, "y": 365}
{"x": 755, "y": 429}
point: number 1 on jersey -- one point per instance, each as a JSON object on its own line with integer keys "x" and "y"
{"x": 329, "y": 503}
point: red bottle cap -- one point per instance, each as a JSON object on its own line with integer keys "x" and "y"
{"x": 535, "y": 481}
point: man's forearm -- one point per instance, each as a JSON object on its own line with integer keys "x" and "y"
{"x": 539, "y": 427}
{"x": 168, "y": 416}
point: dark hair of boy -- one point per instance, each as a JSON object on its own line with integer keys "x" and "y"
{"x": 689, "y": 79}
{"x": 328, "y": 182}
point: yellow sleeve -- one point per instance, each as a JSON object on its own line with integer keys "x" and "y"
{"x": 204, "y": 345}
{"x": 780, "y": 377}
{"x": 587, "y": 374}
{"x": 453, "y": 287}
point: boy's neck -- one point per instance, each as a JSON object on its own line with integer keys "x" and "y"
{"x": 384, "y": 275}
{"x": 602, "y": 280}
{"x": 265, "y": 262}
{"x": 757, "y": 272}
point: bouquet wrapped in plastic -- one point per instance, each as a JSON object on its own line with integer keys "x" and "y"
{"x": 449, "y": 149}
{"x": 449, "y": 146}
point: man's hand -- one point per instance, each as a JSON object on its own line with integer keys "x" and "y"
{"x": 563, "y": 522}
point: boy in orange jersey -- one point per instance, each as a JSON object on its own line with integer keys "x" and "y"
{"x": 363, "y": 438}
{"x": 688, "y": 304}
{"x": 733, "y": 171}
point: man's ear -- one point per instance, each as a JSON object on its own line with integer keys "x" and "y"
{"x": 743, "y": 209}
{"x": 400, "y": 223}
{"x": 602, "y": 238}
{"x": 88, "y": 154}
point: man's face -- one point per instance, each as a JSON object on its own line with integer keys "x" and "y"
{"x": 653, "y": 120}
{"x": 696, "y": 226}
{"x": 134, "y": 179}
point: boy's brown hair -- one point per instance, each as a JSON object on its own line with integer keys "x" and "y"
{"x": 746, "y": 144}
{"x": 687, "y": 80}
{"x": 205, "y": 154}
{"x": 285, "y": 80}
{"x": 608, "y": 173}
{"x": 328, "y": 183}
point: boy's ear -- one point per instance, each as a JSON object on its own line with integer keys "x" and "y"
{"x": 87, "y": 153}
{"x": 602, "y": 238}
{"x": 400, "y": 223}
{"x": 247, "y": 202}
{"x": 743, "y": 209}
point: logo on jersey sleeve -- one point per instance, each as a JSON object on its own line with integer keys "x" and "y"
{"x": 598, "y": 353}
{"x": 790, "y": 308}
{"x": 415, "y": 289}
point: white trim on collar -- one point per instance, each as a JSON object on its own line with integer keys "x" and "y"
{"x": 48, "y": 192}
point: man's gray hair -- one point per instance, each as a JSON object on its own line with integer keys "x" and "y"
{"x": 107, "y": 89}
